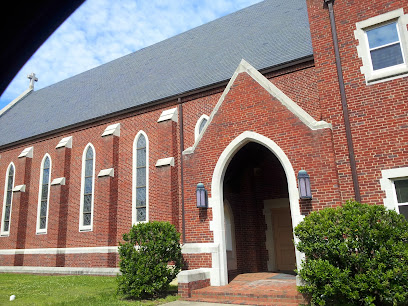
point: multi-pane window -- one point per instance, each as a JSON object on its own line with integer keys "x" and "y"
{"x": 385, "y": 46}
{"x": 141, "y": 179}
{"x": 8, "y": 199}
{"x": 44, "y": 195}
{"x": 401, "y": 189}
{"x": 88, "y": 173}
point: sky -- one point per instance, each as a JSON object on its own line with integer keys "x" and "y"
{"x": 100, "y": 31}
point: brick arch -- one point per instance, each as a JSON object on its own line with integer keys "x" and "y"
{"x": 219, "y": 274}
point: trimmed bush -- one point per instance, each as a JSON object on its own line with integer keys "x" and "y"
{"x": 356, "y": 254}
{"x": 145, "y": 256}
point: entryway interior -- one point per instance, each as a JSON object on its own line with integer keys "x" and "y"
{"x": 258, "y": 224}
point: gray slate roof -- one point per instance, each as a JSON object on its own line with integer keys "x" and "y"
{"x": 265, "y": 35}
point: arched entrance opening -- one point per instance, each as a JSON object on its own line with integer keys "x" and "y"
{"x": 257, "y": 215}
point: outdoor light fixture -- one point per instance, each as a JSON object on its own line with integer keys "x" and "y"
{"x": 304, "y": 185}
{"x": 202, "y": 197}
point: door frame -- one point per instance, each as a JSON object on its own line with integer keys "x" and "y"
{"x": 219, "y": 271}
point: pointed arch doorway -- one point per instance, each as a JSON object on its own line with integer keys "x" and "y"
{"x": 256, "y": 191}
{"x": 254, "y": 187}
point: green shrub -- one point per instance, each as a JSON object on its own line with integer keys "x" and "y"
{"x": 144, "y": 258}
{"x": 356, "y": 254}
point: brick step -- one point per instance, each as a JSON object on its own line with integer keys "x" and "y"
{"x": 250, "y": 298}
{"x": 247, "y": 301}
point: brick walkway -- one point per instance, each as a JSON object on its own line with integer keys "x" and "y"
{"x": 253, "y": 289}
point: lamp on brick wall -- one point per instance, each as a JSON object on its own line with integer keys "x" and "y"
{"x": 304, "y": 185}
{"x": 202, "y": 196}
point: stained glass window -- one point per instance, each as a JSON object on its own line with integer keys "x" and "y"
{"x": 88, "y": 187}
{"x": 42, "y": 218}
{"x": 9, "y": 197}
{"x": 141, "y": 162}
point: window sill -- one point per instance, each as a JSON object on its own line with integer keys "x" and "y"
{"x": 387, "y": 74}
{"x": 85, "y": 230}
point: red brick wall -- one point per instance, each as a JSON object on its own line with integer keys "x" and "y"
{"x": 378, "y": 116}
{"x": 195, "y": 261}
{"x": 185, "y": 289}
{"x": 378, "y": 112}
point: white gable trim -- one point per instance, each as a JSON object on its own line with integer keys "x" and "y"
{"x": 274, "y": 91}
{"x": 11, "y": 104}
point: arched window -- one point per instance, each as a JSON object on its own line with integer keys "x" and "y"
{"x": 201, "y": 122}
{"x": 7, "y": 203}
{"x": 44, "y": 195}
{"x": 87, "y": 189}
{"x": 140, "y": 178}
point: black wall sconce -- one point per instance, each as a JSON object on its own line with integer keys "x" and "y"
{"x": 202, "y": 196}
{"x": 304, "y": 185}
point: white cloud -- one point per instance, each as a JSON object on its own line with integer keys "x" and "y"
{"x": 102, "y": 30}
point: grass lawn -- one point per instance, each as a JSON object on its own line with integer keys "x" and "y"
{"x": 68, "y": 290}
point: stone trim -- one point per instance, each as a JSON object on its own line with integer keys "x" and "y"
{"x": 65, "y": 142}
{"x": 19, "y": 188}
{"x": 27, "y": 152}
{"x": 170, "y": 114}
{"x": 387, "y": 185}
{"x": 54, "y": 251}
{"x": 107, "y": 172}
{"x": 168, "y": 161}
{"x": 219, "y": 276}
{"x": 58, "y": 181}
{"x": 60, "y": 270}
{"x": 113, "y": 129}
{"x": 199, "y": 248}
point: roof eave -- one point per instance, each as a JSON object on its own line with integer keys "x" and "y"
{"x": 150, "y": 104}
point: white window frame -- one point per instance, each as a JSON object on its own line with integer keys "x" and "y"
{"x": 134, "y": 178}
{"x": 87, "y": 228}
{"x": 44, "y": 230}
{"x": 197, "y": 126}
{"x": 389, "y": 176}
{"x": 2, "y": 232}
{"x": 388, "y": 73}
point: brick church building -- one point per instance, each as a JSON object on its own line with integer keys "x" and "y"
{"x": 245, "y": 107}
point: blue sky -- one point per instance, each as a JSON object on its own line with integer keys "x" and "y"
{"x": 103, "y": 30}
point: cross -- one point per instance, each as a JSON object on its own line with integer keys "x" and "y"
{"x": 33, "y": 79}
